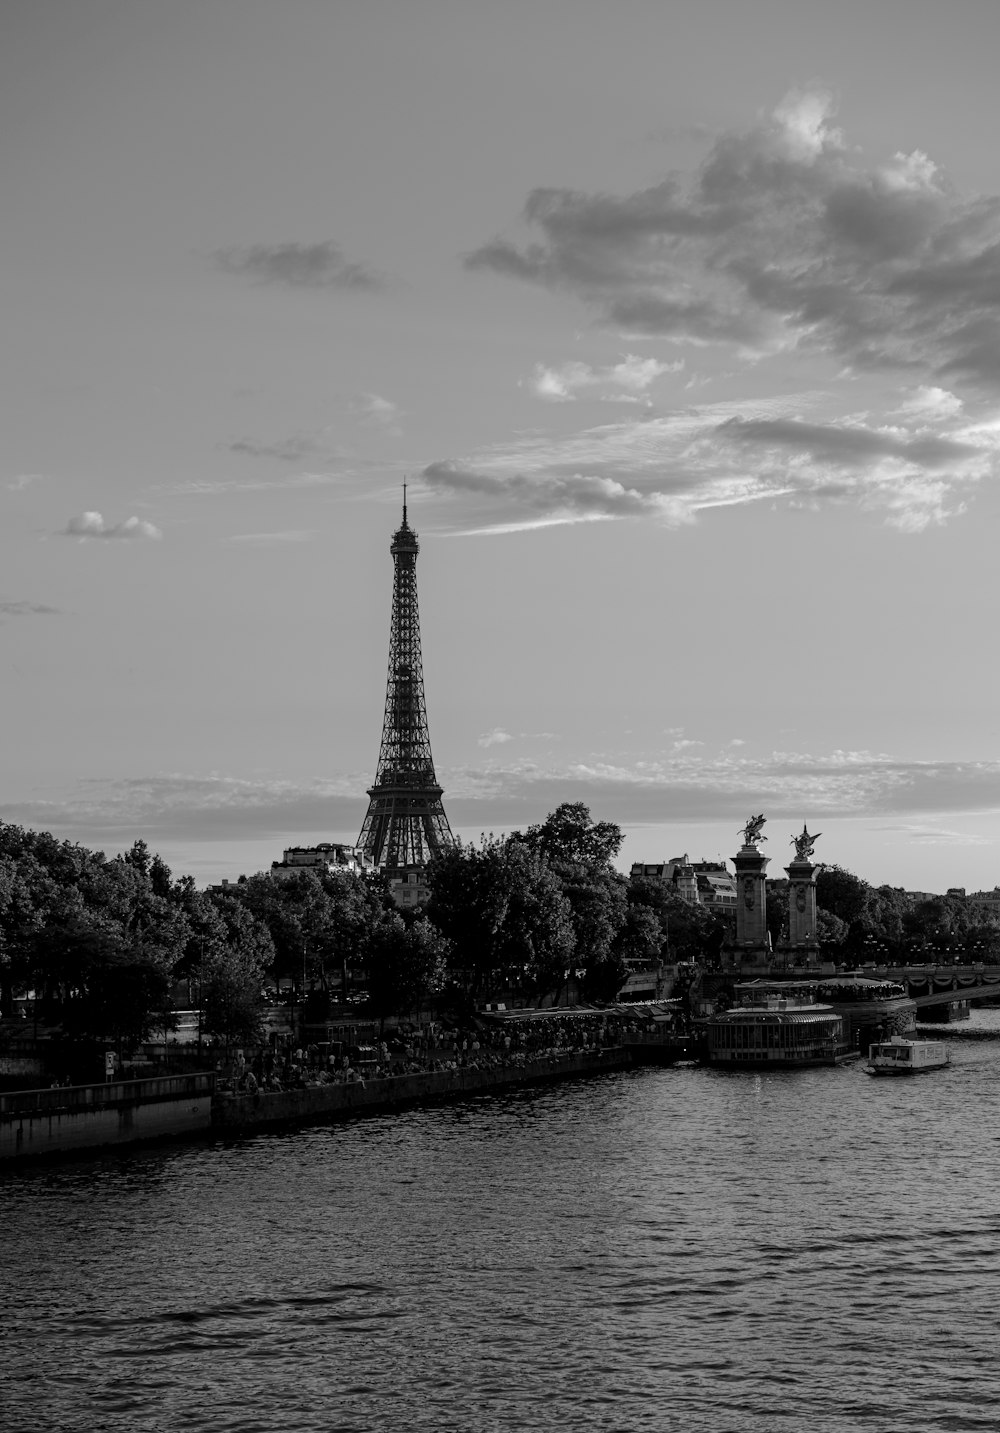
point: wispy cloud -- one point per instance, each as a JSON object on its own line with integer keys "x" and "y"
{"x": 695, "y": 786}
{"x": 206, "y": 807}
{"x": 682, "y": 786}
{"x": 22, "y": 481}
{"x": 914, "y": 470}
{"x": 784, "y": 240}
{"x": 376, "y": 411}
{"x": 919, "y": 834}
{"x": 27, "y": 609}
{"x": 271, "y": 539}
{"x": 210, "y": 487}
{"x": 300, "y": 447}
{"x": 92, "y": 524}
{"x": 626, "y": 382}
{"x": 311, "y": 266}
{"x": 496, "y": 737}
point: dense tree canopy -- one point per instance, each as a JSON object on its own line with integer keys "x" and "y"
{"x": 101, "y": 943}
{"x": 408, "y": 965}
{"x": 504, "y": 913}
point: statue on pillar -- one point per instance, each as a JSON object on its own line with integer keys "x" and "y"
{"x": 751, "y": 831}
{"x": 805, "y": 844}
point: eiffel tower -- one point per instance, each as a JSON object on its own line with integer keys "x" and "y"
{"x": 405, "y": 825}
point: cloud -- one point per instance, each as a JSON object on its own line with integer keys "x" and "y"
{"x": 935, "y": 835}
{"x": 22, "y": 481}
{"x": 212, "y": 807}
{"x": 373, "y": 406}
{"x": 311, "y": 266}
{"x": 92, "y": 524}
{"x": 784, "y": 238}
{"x": 26, "y": 609}
{"x": 931, "y": 402}
{"x": 624, "y": 382}
{"x": 845, "y": 445}
{"x": 545, "y": 499}
{"x": 270, "y": 539}
{"x": 370, "y": 409}
{"x": 496, "y": 737}
{"x": 915, "y": 469}
{"x": 789, "y": 787}
{"x": 296, "y": 449}
{"x": 375, "y": 410}
{"x": 690, "y": 786}
{"x": 208, "y": 487}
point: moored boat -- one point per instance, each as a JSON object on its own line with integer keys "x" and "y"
{"x": 775, "y": 1027}
{"x": 906, "y": 1057}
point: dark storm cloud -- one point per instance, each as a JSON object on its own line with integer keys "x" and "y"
{"x": 311, "y": 266}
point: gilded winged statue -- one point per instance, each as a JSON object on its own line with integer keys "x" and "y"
{"x": 751, "y": 831}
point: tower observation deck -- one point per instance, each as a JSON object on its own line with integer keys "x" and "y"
{"x": 406, "y": 824}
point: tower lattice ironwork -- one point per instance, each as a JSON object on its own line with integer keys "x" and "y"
{"x": 405, "y": 825}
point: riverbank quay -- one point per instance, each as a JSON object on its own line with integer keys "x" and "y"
{"x": 242, "y": 1112}
{"x": 70, "y": 1118}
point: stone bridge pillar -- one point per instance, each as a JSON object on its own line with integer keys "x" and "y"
{"x": 751, "y": 913}
{"x": 802, "y": 904}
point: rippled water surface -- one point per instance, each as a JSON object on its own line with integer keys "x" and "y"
{"x": 665, "y": 1249}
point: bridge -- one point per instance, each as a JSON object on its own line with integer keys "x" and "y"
{"x": 934, "y": 985}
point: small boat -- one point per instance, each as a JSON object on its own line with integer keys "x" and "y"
{"x": 899, "y": 1056}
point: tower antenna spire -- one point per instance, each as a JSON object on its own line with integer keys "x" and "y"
{"x": 404, "y": 502}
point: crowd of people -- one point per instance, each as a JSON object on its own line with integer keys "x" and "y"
{"x": 486, "y": 1044}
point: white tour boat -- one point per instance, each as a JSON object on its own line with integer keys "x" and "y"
{"x": 899, "y": 1056}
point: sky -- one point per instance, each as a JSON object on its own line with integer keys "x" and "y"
{"x": 682, "y": 321}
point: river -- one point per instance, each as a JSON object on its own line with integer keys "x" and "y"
{"x": 678, "y": 1250}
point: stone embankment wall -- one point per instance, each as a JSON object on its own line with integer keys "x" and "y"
{"x": 60, "y": 1120}
{"x": 244, "y": 1111}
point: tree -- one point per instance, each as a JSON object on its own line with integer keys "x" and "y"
{"x": 641, "y": 937}
{"x": 842, "y": 894}
{"x": 537, "y": 940}
{"x": 599, "y": 906}
{"x": 569, "y": 835}
{"x": 690, "y": 932}
{"x": 408, "y": 963}
{"x": 230, "y": 996}
{"x": 124, "y": 1001}
{"x": 469, "y": 900}
{"x": 830, "y": 929}
{"x": 504, "y": 913}
{"x": 20, "y": 921}
{"x": 776, "y": 914}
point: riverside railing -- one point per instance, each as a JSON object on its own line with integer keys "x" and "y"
{"x": 114, "y": 1092}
